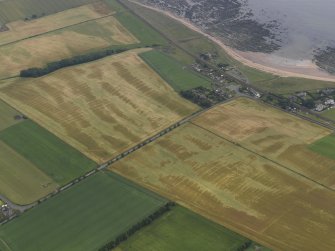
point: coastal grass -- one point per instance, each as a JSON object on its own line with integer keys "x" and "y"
{"x": 84, "y": 217}
{"x": 59, "y": 161}
{"x": 20, "y": 180}
{"x": 176, "y": 74}
{"x": 325, "y": 146}
{"x": 7, "y": 116}
{"x": 287, "y": 85}
{"x": 103, "y": 107}
{"x": 180, "y": 229}
{"x": 236, "y": 188}
{"x": 274, "y": 134}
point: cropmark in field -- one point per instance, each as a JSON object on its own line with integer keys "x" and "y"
{"x": 101, "y": 108}
{"x": 269, "y": 132}
{"x": 235, "y": 187}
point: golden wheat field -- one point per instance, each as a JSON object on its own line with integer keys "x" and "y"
{"x": 100, "y": 108}
{"x": 61, "y": 43}
{"x": 236, "y": 188}
{"x": 269, "y": 132}
{"x": 24, "y": 29}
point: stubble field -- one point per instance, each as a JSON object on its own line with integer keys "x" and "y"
{"x": 236, "y": 187}
{"x": 103, "y": 107}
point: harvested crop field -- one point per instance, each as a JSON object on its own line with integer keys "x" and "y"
{"x": 269, "y": 132}
{"x": 7, "y": 116}
{"x": 236, "y": 188}
{"x": 63, "y": 43}
{"x": 84, "y": 217}
{"x": 101, "y": 108}
{"x": 20, "y": 181}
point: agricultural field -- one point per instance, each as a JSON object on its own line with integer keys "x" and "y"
{"x": 236, "y": 188}
{"x": 51, "y": 155}
{"x": 12, "y": 10}
{"x": 54, "y": 45}
{"x": 84, "y": 217}
{"x": 271, "y": 133}
{"x": 7, "y": 116}
{"x": 34, "y": 163}
{"x": 20, "y": 181}
{"x": 21, "y": 29}
{"x": 142, "y": 31}
{"x": 180, "y": 230}
{"x": 101, "y": 108}
{"x": 180, "y": 77}
{"x": 325, "y": 146}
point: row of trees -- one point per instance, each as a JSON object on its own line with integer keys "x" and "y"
{"x": 147, "y": 221}
{"x": 197, "y": 96}
{"x": 53, "y": 66}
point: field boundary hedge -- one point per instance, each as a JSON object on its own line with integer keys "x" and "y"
{"x": 145, "y": 222}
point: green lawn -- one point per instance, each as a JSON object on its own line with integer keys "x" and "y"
{"x": 173, "y": 72}
{"x": 181, "y": 230}
{"x": 85, "y": 217}
{"x": 7, "y": 116}
{"x": 51, "y": 155}
{"x": 136, "y": 26}
{"x": 325, "y": 146}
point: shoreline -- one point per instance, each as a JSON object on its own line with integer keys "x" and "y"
{"x": 308, "y": 71}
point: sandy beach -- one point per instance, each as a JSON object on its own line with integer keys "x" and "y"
{"x": 261, "y": 61}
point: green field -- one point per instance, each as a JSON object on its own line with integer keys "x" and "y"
{"x": 180, "y": 230}
{"x": 7, "y": 114}
{"x": 329, "y": 114}
{"x": 19, "y": 9}
{"x": 51, "y": 155}
{"x": 173, "y": 72}
{"x": 325, "y": 146}
{"x": 20, "y": 181}
{"x": 137, "y": 27}
{"x": 84, "y": 217}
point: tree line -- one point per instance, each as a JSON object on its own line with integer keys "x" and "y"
{"x": 145, "y": 222}
{"x": 53, "y": 66}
